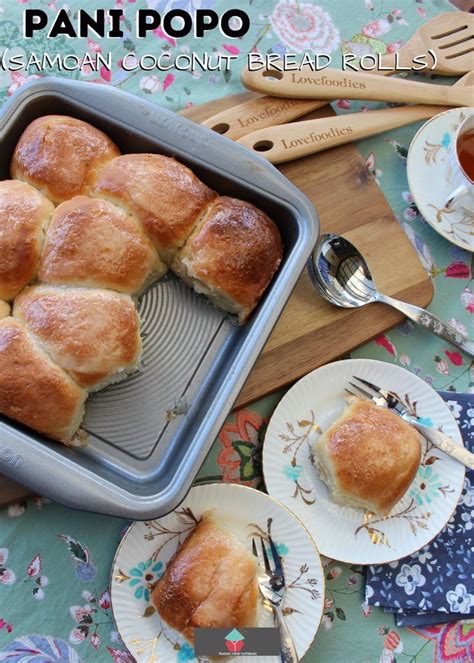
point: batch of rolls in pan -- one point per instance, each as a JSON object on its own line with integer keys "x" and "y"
{"x": 84, "y": 230}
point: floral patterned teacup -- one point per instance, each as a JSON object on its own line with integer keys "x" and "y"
{"x": 459, "y": 176}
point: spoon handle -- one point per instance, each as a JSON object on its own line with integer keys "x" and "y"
{"x": 432, "y": 323}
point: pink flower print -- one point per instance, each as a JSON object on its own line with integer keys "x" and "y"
{"x": 442, "y": 366}
{"x": 105, "y": 74}
{"x": 120, "y": 656}
{"x": 454, "y": 357}
{"x": 376, "y": 28}
{"x": 76, "y": 636}
{"x": 33, "y": 571}
{"x": 162, "y": 35}
{"x": 93, "y": 46}
{"x": 303, "y": 26}
{"x": 394, "y": 46}
{"x": 233, "y": 50}
{"x": 95, "y": 637}
{"x": 169, "y": 80}
{"x": 344, "y": 104}
{"x": 7, "y": 576}
{"x": 19, "y": 78}
{"x": 458, "y": 270}
{"x": 386, "y": 343}
{"x": 8, "y": 627}
{"x": 104, "y": 600}
{"x": 467, "y": 300}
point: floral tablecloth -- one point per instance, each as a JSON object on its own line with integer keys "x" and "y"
{"x": 54, "y": 562}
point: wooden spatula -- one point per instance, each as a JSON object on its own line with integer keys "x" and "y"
{"x": 286, "y": 142}
{"x": 331, "y": 83}
{"x": 450, "y": 37}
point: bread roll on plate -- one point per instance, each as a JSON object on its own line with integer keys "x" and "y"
{"x": 94, "y": 243}
{"x": 61, "y": 156}
{"x": 92, "y": 334}
{"x": 368, "y": 458}
{"x": 24, "y": 217}
{"x": 163, "y": 194}
{"x": 210, "y": 582}
{"x": 34, "y": 390}
{"x": 231, "y": 256}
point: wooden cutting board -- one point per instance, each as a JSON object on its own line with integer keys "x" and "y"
{"x": 312, "y": 332}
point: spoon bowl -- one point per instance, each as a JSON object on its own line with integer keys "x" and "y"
{"x": 339, "y": 272}
{"x": 341, "y": 275}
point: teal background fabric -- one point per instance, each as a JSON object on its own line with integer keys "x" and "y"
{"x": 54, "y": 562}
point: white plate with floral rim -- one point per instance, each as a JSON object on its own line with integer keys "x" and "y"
{"x": 343, "y": 533}
{"x": 146, "y": 548}
{"x": 430, "y": 178}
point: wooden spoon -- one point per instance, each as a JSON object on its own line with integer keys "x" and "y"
{"x": 292, "y": 141}
{"x": 331, "y": 83}
{"x": 449, "y": 36}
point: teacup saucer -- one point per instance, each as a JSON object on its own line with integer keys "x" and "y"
{"x": 431, "y": 179}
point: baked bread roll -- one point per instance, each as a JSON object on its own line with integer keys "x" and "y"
{"x": 210, "y": 582}
{"x": 163, "y": 194}
{"x": 92, "y": 334}
{"x": 61, "y": 156}
{"x": 231, "y": 256}
{"x": 120, "y": 221}
{"x": 24, "y": 216}
{"x": 94, "y": 243}
{"x": 34, "y": 390}
{"x": 368, "y": 458}
{"x": 4, "y": 309}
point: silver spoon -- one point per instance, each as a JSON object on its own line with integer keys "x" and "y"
{"x": 340, "y": 274}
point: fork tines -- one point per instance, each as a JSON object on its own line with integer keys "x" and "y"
{"x": 275, "y": 557}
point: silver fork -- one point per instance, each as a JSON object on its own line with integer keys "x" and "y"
{"x": 389, "y": 400}
{"x": 271, "y": 582}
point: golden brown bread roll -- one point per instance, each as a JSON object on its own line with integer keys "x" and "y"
{"x": 92, "y": 334}
{"x": 231, "y": 256}
{"x": 163, "y": 194}
{"x": 121, "y": 221}
{"x": 368, "y": 457}
{"x": 34, "y": 390}
{"x": 94, "y": 243}
{"x": 61, "y": 156}
{"x": 24, "y": 216}
{"x": 4, "y": 309}
{"x": 210, "y": 582}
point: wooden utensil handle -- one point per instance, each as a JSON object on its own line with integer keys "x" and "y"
{"x": 292, "y": 141}
{"x": 259, "y": 113}
{"x": 334, "y": 83}
{"x": 263, "y": 112}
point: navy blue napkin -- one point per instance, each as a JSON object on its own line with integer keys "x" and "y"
{"x": 436, "y": 584}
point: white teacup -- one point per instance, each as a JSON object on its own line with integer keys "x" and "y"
{"x": 463, "y": 185}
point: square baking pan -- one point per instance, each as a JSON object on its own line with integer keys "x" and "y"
{"x": 149, "y": 435}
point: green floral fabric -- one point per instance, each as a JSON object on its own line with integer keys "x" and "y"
{"x": 54, "y": 562}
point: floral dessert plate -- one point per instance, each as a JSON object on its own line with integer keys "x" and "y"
{"x": 343, "y": 533}
{"x": 147, "y": 547}
{"x": 431, "y": 178}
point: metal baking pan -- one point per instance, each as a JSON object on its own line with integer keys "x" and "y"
{"x": 150, "y": 434}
